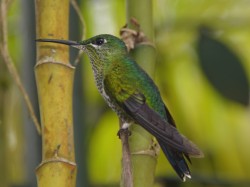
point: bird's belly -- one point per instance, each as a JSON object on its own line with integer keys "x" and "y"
{"x": 111, "y": 103}
{"x": 115, "y": 107}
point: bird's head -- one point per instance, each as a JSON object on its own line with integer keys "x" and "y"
{"x": 102, "y": 48}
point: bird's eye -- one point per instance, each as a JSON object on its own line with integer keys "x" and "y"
{"x": 100, "y": 41}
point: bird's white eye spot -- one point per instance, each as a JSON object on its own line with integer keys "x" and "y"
{"x": 98, "y": 42}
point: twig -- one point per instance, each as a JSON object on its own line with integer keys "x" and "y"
{"x": 78, "y": 12}
{"x": 10, "y": 65}
{"x": 127, "y": 177}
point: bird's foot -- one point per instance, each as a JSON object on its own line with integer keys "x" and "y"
{"x": 123, "y": 131}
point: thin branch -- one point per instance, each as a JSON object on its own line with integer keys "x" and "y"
{"x": 127, "y": 177}
{"x": 78, "y": 12}
{"x": 9, "y": 62}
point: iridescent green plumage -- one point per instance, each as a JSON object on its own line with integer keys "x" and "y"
{"x": 132, "y": 94}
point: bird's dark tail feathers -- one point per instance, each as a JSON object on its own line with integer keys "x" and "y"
{"x": 177, "y": 160}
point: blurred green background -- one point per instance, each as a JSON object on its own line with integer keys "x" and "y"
{"x": 202, "y": 71}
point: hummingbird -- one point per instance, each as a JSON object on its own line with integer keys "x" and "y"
{"x": 135, "y": 98}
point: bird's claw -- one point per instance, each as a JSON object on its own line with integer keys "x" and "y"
{"x": 123, "y": 131}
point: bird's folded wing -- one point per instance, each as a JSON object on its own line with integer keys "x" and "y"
{"x": 138, "y": 109}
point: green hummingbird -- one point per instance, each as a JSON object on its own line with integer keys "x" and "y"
{"x": 133, "y": 95}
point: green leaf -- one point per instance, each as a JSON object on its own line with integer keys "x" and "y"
{"x": 223, "y": 68}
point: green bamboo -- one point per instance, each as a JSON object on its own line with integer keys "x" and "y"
{"x": 141, "y": 143}
{"x": 141, "y": 10}
{"x": 54, "y": 77}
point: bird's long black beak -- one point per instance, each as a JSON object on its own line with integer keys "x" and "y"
{"x": 65, "y": 42}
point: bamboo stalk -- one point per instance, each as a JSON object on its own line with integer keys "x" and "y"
{"x": 54, "y": 77}
{"x": 141, "y": 143}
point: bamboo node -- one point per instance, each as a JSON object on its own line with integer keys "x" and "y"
{"x": 49, "y": 61}
{"x": 153, "y": 150}
{"x": 56, "y": 160}
{"x": 148, "y": 152}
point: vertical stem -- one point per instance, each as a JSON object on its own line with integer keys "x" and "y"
{"x": 143, "y": 154}
{"x": 141, "y": 10}
{"x": 127, "y": 176}
{"x": 54, "y": 77}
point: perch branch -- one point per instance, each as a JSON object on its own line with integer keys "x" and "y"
{"x": 127, "y": 177}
